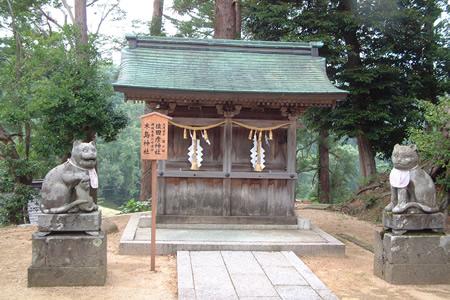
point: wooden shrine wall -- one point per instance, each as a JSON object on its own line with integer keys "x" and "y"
{"x": 226, "y": 188}
{"x": 206, "y": 197}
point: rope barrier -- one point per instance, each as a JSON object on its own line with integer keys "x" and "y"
{"x": 250, "y": 127}
{"x": 255, "y": 132}
{"x": 205, "y": 127}
{"x": 255, "y": 128}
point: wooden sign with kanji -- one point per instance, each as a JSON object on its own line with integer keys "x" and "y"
{"x": 154, "y": 134}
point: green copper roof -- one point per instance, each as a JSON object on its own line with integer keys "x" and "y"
{"x": 223, "y": 66}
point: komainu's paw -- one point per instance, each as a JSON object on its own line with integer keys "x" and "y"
{"x": 399, "y": 209}
{"x": 88, "y": 207}
{"x": 389, "y": 207}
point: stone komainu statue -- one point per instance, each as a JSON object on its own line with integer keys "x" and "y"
{"x": 412, "y": 189}
{"x": 66, "y": 187}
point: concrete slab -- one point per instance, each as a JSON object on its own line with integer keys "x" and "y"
{"x": 247, "y": 275}
{"x": 241, "y": 262}
{"x": 145, "y": 220}
{"x": 297, "y": 292}
{"x": 221, "y": 235}
{"x": 196, "y": 237}
{"x": 253, "y": 285}
{"x": 284, "y": 275}
{"x": 268, "y": 259}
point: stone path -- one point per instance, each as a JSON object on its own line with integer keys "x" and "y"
{"x": 246, "y": 275}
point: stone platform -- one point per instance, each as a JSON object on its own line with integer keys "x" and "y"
{"x": 70, "y": 222}
{"x": 68, "y": 250}
{"x": 414, "y": 222}
{"x": 205, "y": 275}
{"x": 303, "y": 238}
{"x": 412, "y": 258}
{"x": 67, "y": 259}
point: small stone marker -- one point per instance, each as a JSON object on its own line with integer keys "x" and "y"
{"x": 33, "y": 210}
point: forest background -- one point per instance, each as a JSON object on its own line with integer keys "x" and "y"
{"x": 55, "y": 85}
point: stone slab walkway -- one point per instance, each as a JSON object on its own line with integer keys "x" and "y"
{"x": 246, "y": 275}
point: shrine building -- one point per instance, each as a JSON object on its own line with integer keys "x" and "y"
{"x": 232, "y": 138}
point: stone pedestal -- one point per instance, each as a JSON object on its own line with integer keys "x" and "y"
{"x": 70, "y": 222}
{"x": 407, "y": 222}
{"x": 413, "y": 258}
{"x": 68, "y": 250}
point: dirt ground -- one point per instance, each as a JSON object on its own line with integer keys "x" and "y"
{"x": 351, "y": 277}
{"x": 129, "y": 277}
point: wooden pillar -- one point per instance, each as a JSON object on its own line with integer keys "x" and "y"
{"x": 291, "y": 159}
{"x": 227, "y": 147}
{"x": 292, "y": 146}
{"x": 161, "y": 187}
{"x": 324, "y": 163}
{"x": 154, "y": 212}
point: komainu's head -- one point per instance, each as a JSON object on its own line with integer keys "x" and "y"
{"x": 405, "y": 157}
{"x": 84, "y": 154}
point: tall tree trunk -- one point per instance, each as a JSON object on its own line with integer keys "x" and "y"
{"x": 5, "y": 137}
{"x": 366, "y": 155}
{"x": 82, "y": 41}
{"x": 227, "y": 21}
{"x": 156, "y": 24}
{"x": 81, "y": 21}
{"x": 324, "y": 167}
{"x": 146, "y": 173}
{"x": 237, "y": 18}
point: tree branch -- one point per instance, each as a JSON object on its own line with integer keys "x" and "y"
{"x": 69, "y": 10}
{"x": 49, "y": 18}
{"x": 4, "y": 136}
{"x": 105, "y": 15}
{"x": 370, "y": 187}
{"x": 91, "y": 3}
{"x": 7, "y": 139}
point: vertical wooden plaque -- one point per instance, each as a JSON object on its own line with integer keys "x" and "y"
{"x": 154, "y": 135}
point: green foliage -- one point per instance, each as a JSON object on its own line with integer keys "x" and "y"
{"x": 433, "y": 138}
{"x": 13, "y": 204}
{"x": 74, "y": 98}
{"x": 401, "y": 53}
{"x": 134, "y": 206}
{"x": 344, "y": 171}
{"x": 195, "y": 18}
{"x": 344, "y": 166}
{"x": 118, "y": 161}
{"x": 52, "y": 90}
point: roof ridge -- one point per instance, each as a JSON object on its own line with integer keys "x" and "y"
{"x": 302, "y": 48}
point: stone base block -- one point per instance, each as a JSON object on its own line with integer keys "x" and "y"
{"x": 420, "y": 258}
{"x": 70, "y": 222}
{"x": 68, "y": 259}
{"x": 404, "y": 222}
{"x": 66, "y": 276}
{"x": 416, "y": 274}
